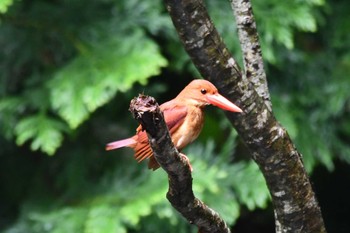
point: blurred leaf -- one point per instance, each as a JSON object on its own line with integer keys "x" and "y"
{"x": 103, "y": 219}
{"x": 4, "y": 5}
{"x": 250, "y": 185}
{"x": 58, "y": 221}
{"x": 10, "y": 107}
{"x": 224, "y": 186}
{"x": 284, "y": 113}
{"x": 278, "y": 20}
{"x": 139, "y": 203}
{"x": 92, "y": 79}
{"x": 45, "y": 133}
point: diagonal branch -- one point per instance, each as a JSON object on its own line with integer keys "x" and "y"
{"x": 249, "y": 40}
{"x": 294, "y": 201}
{"x": 146, "y": 110}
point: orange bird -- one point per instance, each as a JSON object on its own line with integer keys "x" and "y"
{"x": 184, "y": 117}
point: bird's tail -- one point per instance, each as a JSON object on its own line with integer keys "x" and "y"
{"x": 128, "y": 142}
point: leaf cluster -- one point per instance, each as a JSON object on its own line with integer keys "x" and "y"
{"x": 128, "y": 198}
{"x": 310, "y": 93}
{"x": 58, "y": 72}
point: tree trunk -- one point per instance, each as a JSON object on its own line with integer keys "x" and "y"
{"x": 296, "y": 208}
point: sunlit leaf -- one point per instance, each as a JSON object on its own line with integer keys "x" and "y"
{"x": 92, "y": 79}
{"x": 250, "y": 185}
{"x": 225, "y": 187}
{"x": 45, "y": 133}
{"x": 4, "y": 5}
{"x": 103, "y": 218}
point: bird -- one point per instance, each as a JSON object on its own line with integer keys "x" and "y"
{"x": 184, "y": 116}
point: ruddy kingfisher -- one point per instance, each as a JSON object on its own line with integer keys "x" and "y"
{"x": 184, "y": 116}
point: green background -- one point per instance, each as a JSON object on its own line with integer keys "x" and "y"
{"x": 69, "y": 69}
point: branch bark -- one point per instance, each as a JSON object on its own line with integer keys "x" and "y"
{"x": 249, "y": 40}
{"x": 146, "y": 111}
{"x": 296, "y": 208}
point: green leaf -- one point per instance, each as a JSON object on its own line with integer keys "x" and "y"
{"x": 4, "y": 5}
{"x": 314, "y": 145}
{"x": 58, "y": 220}
{"x": 10, "y": 107}
{"x": 139, "y": 202}
{"x": 93, "y": 78}
{"x": 224, "y": 186}
{"x": 304, "y": 20}
{"x": 284, "y": 114}
{"x": 103, "y": 219}
{"x": 45, "y": 133}
{"x": 278, "y": 20}
{"x": 250, "y": 185}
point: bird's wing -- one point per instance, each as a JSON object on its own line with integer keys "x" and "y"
{"x": 174, "y": 116}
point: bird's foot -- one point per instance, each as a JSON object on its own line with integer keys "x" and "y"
{"x": 187, "y": 160}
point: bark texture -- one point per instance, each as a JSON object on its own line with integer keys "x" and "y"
{"x": 249, "y": 41}
{"x": 146, "y": 111}
{"x": 294, "y": 201}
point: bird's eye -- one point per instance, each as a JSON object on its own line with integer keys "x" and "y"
{"x": 203, "y": 91}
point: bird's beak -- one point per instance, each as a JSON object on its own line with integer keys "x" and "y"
{"x": 223, "y": 103}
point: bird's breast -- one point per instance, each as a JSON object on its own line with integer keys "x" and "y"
{"x": 190, "y": 129}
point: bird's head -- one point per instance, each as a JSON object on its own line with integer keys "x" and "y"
{"x": 202, "y": 92}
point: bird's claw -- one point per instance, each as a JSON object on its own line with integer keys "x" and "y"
{"x": 187, "y": 160}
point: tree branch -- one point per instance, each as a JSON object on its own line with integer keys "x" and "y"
{"x": 269, "y": 143}
{"x": 249, "y": 40}
{"x": 146, "y": 111}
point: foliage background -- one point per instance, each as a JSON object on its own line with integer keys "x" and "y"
{"x": 69, "y": 70}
